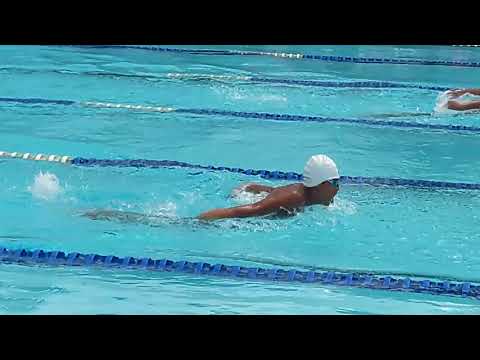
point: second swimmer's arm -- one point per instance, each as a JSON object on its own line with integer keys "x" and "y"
{"x": 459, "y": 106}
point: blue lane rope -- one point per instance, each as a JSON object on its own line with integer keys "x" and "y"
{"x": 351, "y": 84}
{"x": 357, "y": 280}
{"x": 267, "y": 174}
{"x": 318, "y": 83}
{"x": 278, "y": 54}
{"x": 383, "y": 272}
{"x": 321, "y": 119}
{"x": 247, "y": 115}
{"x": 37, "y": 101}
{"x": 274, "y": 175}
{"x": 368, "y": 84}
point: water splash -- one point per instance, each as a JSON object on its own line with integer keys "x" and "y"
{"x": 46, "y": 186}
{"x": 343, "y": 207}
{"x": 166, "y": 210}
{"x": 441, "y": 105}
{"x": 240, "y": 94}
{"x": 241, "y": 196}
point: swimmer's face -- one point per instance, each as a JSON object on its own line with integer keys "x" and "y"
{"x": 331, "y": 189}
{"x": 325, "y": 192}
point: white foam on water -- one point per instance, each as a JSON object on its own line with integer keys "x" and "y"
{"x": 245, "y": 197}
{"x": 253, "y": 224}
{"x": 241, "y": 94}
{"x": 441, "y": 104}
{"x": 262, "y": 98}
{"x": 46, "y": 186}
{"x": 166, "y": 209}
{"x": 343, "y": 206}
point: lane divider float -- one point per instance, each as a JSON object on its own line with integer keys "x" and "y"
{"x": 267, "y": 174}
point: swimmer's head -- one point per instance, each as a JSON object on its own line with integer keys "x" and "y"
{"x": 319, "y": 168}
{"x": 321, "y": 178}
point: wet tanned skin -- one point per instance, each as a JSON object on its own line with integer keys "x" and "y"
{"x": 280, "y": 201}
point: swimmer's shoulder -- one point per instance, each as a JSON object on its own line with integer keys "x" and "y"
{"x": 292, "y": 188}
{"x": 290, "y": 196}
{"x": 296, "y": 190}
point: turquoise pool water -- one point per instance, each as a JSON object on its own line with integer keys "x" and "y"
{"x": 381, "y": 229}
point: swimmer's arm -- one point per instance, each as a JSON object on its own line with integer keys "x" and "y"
{"x": 459, "y": 106}
{"x": 235, "y": 212}
{"x": 264, "y": 207}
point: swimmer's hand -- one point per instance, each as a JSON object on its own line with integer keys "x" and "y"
{"x": 210, "y": 215}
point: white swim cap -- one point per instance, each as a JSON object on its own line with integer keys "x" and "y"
{"x": 318, "y": 169}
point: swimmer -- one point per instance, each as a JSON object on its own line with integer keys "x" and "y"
{"x": 320, "y": 185}
{"x": 462, "y": 106}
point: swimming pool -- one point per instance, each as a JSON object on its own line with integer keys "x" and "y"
{"x": 397, "y": 230}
